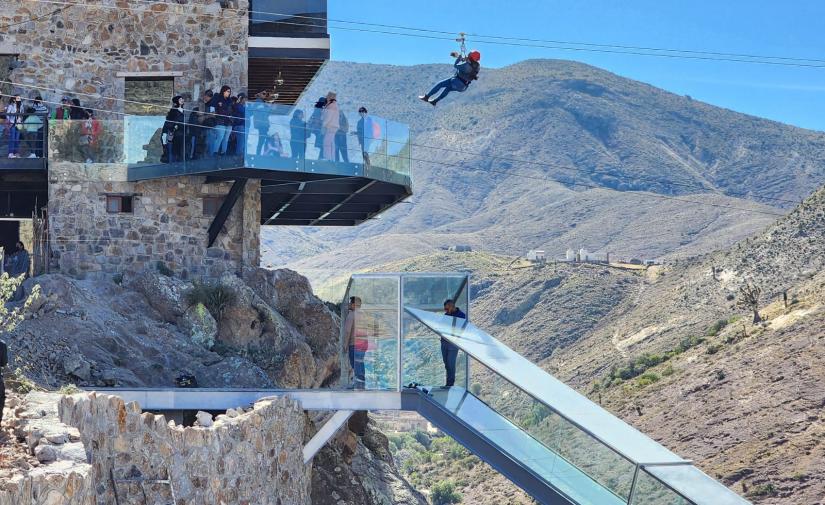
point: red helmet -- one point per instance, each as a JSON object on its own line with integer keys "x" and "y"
{"x": 474, "y": 55}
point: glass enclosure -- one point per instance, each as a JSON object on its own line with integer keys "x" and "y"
{"x": 387, "y": 334}
{"x": 267, "y": 137}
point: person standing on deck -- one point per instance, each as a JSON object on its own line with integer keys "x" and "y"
{"x": 356, "y": 341}
{"x": 449, "y": 352}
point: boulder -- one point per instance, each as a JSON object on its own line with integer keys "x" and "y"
{"x": 291, "y": 295}
{"x": 164, "y": 294}
{"x": 204, "y": 419}
{"x": 233, "y": 372}
{"x": 298, "y": 369}
{"x": 75, "y": 365}
{"x": 199, "y": 324}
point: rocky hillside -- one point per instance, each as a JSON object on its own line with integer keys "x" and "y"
{"x": 522, "y": 127}
{"x": 671, "y": 350}
{"x": 265, "y": 329}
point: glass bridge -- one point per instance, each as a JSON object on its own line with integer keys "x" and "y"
{"x": 551, "y": 441}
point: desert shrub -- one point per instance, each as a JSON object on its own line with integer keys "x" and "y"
{"x": 647, "y": 379}
{"x": 762, "y": 490}
{"x": 444, "y": 493}
{"x": 164, "y": 270}
{"x": 216, "y": 297}
{"x": 668, "y": 371}
{"x": 713, "y": 349}
{"x": 475, "y": 388}
{"x": 69, "y": 389}
{"x": 716, "y": 327}
{"x": 688, "y": 343}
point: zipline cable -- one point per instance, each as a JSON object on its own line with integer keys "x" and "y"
{"x": 511, "y": 41}
{"x": 466, "y": 151}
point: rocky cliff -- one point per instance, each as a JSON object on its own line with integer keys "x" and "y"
{"x": 264, "y": 329}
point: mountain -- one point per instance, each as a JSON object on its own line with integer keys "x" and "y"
{"x": 671, "y": 350}
{"x": 555, "y": 154}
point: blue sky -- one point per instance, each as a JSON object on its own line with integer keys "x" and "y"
{"x": 792, "y": 28}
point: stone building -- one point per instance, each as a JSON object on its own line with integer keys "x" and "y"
{"x": 117, "y": 203}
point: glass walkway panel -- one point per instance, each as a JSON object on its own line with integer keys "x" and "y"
{"x": 578, "y": 448}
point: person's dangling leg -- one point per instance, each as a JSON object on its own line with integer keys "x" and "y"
{"x": 443, "y": 85}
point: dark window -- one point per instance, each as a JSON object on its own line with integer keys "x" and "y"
{"x": 157, "y": 92}
{"x": 288, "y": 17}
{"x": 119, "y": 204}
{"x": 211, "y": 204}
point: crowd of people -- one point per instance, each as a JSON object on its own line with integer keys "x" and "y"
{"x": 24, "y": 124}
{"x": 218, "y": 125}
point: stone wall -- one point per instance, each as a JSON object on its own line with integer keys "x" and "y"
{"x": 253, "y": 457}
{"x": 63, "y": 476}
{"x": 167, "y": 223}
{"x": 79, "y": 50}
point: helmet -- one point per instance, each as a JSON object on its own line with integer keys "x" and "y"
{"x": 474, "y": 55}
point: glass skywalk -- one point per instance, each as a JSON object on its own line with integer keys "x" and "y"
{"x": 534, "y": 421}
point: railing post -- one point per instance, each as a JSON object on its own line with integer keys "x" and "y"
{"x": 467, "y": 356}
{"x": 399, "y": 340}
{"x": 632, "y": 493}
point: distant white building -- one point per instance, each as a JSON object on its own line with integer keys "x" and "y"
{"x": 537, "y": 256}
{"x": 460, "y": 248}
{"x": 571, "y": 255}
{"x": 585, "y": 255}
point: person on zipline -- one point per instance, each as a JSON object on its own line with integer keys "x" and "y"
{"x": 466, "y": 71}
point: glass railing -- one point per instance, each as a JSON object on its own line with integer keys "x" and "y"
{"x": 369, "y": 334}
{"x": 267, "y": 137}
{"x": 23, "y": 137}
{"x": 321, "y": 141}
{"x": 425, "y": 355}
{"x": 87, "y": 150}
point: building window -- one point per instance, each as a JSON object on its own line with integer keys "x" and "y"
{"x": 148, "y": 96}
{"x": 119, "y": 204}
{"x": 211, "y": 204}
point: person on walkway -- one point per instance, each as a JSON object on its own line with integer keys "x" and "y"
{"x": 89, "y": 136}
{"x": 196, "y": 130}
{"x": 341, "y": 149}
{"x": 449, "y": 352}
{"x": 356, "y": 341}
{"x": 42, "y": 112}
{"x": 20, "y": 261}
{"x": 259, "y": 111}
{"x": 315, "y": 125}
{"x": 368, "y": 131}
{"x": 239, "y": 124}
{"x": 223, "y": 121}
{"x": 14, "y": 123}
{"x": 76, "y": 111}
{"x": 298, "y": 135}
{"x": 330, "y": 122}
{"x": 466, "y": 71}
{"x": 32, "y": 126}
{"x": 173, "y": 133}
{"x": 64, "y": 110}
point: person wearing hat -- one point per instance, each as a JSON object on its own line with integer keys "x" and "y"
{"x": 172, "y": 135}
{"x": 331, "y": 122}
{"x": 64, "y": 110}
{"x": 466, "y": 71}
{"x": 239, "y": 125}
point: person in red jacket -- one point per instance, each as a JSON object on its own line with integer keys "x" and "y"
{"x": 89, "y": 135}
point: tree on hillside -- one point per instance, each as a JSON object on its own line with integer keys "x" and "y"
{"x": 444, "y": 493}
{"x": 749, "y": 299}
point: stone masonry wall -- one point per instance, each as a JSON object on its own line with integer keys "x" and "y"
{"x": 79, "y": 50}
{"x": 167, "y": 223}
{"x": 243, "y": 458}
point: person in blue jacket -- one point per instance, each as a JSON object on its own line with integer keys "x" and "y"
{"x": 466, "y": 71}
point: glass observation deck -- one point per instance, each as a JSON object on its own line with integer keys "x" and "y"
{"x": 554, "y": 434}
{"x": 310, "y": 175}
